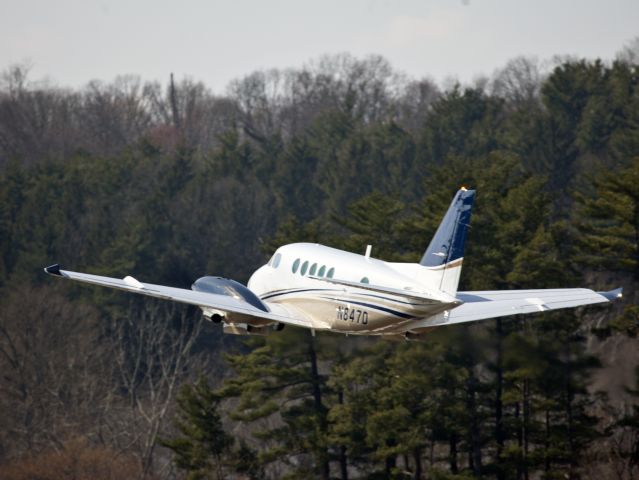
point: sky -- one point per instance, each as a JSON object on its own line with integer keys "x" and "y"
{"x": 71, "y": 42}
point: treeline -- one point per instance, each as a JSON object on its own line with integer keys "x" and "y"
{"x": 171, "y": 184}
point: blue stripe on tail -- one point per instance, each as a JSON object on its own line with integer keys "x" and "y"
{"x": 448, "y": 243}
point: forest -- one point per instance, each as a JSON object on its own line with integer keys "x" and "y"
{"x": 170, "y": 182}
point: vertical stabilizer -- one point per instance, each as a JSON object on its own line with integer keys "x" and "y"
{"x": 443, "y": 257}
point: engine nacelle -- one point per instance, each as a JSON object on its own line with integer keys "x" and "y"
{"x": 229, "y": 288}
{"x": 216, "y": 316}
{"x": 414, "y": 337}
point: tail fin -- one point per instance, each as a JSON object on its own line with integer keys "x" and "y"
{"x": 443, "y": 257}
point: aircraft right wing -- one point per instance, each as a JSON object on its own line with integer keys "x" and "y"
{"x": 481, "y": 305}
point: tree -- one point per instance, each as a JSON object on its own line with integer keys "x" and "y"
{"x": 280, "y": 377}
{"x": 630, "y": 52}
{"x": 373, "y": 219}
{"x": 50, "y": 356}
{"x": 624, "y": 438}
{"x": 519, "y": 81}
{"x": 609, "y": 220}
{"x": 464, "y": 122}
{"x": 151, "y": 348}
{"x": 203, "y": 444}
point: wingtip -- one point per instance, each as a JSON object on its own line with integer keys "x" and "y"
{"x": 53, "y": 270}
{"x": 612, "y": 295}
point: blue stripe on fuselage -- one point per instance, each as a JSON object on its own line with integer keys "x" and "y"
{"x": 344, "y": 300}
{"x": 376, "y": 307}
{"x": 277, "y": 293}
{"x": 285, "y": 292}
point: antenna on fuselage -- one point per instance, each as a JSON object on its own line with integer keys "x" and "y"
{"x": 367, "y": 255}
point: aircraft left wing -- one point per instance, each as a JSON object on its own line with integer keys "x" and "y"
{"x": 225, "y": 303}
{"x": 482, "y": 305}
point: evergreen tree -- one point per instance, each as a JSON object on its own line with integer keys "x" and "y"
{"x": 609, "y": 220}
{"x": 203, "y": 444}
{"x": 281, "y": 376}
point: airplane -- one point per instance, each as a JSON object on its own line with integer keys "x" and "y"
{"x": 325, "y": 289}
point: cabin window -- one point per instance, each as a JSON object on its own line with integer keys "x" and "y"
{"x": 364, "y": 280}
{"x": 296, "y": 265}
{"x": 276, "y": 260}
{"x": 330, "y": 273}
{"x": 322, "y": 270}
{"x": 313, "y": 269}
{"x": 304, "y": 268}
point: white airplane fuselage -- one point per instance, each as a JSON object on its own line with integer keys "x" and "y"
{"x": 288, "y": 280}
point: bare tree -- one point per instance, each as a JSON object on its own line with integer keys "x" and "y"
{"x": 187, "y": 114}
{"x": 366, "y": 87}
{"x": 50, "y": 357}
{"x": 113, "y": 115}
{"x": 286, "y": 102}
{"x": 630, "y": 52}
{"x": 36, "y": 119}
{"x": 415, "y": 104}
{"x": 152, "y": 356}
{"x": 65, "y": 375}
{"x": 260, "y": 98}
{"x": 519, "y": 81}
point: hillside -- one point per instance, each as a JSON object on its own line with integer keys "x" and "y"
{"x": 170, "y": 183}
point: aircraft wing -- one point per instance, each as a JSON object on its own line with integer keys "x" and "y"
{"x": 224, "y": 303}
{"x": 501, "y": 303}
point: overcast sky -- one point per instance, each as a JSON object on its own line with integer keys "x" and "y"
{"x": 74, "y": 41}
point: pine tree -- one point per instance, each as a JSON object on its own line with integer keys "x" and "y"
{"x": 609, "y": 220}
{"x": 203, "y": 444}
{"x": 280, "y": 376}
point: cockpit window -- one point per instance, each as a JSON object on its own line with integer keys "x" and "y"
{"x": 313, "y": 269}
{"x": 364, "y": 280}
{"x": 322, "y": 270}
{"x": 276, "y": 260}
{"x": 296, "y": 265}
{"x": 330, "y": 273}
{"x": 304, "y": 268}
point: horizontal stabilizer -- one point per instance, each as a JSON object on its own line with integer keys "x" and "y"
{"x": 500, "y": 303}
